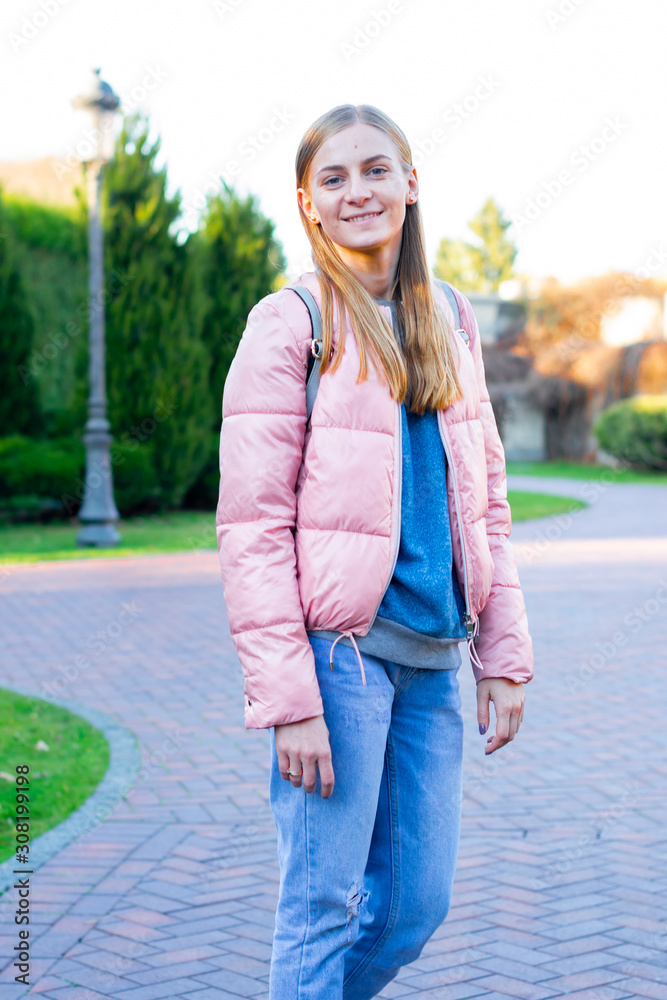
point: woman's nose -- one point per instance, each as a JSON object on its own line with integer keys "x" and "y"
{"x": 358, "y": 189}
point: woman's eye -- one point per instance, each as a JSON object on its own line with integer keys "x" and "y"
{"x": 330, "y": 181}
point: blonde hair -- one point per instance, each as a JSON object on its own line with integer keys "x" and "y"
{"x": 425, "y": 375}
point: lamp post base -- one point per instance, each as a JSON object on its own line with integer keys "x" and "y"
{"x": 100, "y": 534}
{"x": 98, "y": 513}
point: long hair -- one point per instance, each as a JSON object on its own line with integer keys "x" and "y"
{"x": 424, "y": 376}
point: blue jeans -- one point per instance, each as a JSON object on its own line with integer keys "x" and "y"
{"x": 366, "y": 875}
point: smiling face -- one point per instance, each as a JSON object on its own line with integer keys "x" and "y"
{"x": 359, "y": 191}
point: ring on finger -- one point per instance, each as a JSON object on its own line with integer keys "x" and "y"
{"x": 295, "y": 774}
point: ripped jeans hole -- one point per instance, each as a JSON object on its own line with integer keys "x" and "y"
{"x": 356, "y": 897}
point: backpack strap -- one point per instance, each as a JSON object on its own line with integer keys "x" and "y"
{"x": 315, "y": 357}
{"x": 453, "y": 301}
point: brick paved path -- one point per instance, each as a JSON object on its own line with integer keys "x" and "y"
{"x": 561, "y": 884}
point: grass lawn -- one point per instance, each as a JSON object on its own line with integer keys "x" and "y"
{"x": 181, "y": 531}
{"x": 61, "y": 777}
{"x": 526, "y": 506}
{"x": 578, "y": 470}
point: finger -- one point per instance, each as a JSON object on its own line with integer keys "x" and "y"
{"x": 521, "y": 708}
{"x": 296, "y": 772}
{"x": 517, "y": 714}
{"x": 309, "y": 775}
{"x": 513, "y": 723}
{"x": 494, "y": 743}
{"x": 507, "y": 724}
{"x": 483, "y": 708}
{"x": 503, "y": 713}
{"x": 326, "y": 776}
{"x": 283, "y": 764}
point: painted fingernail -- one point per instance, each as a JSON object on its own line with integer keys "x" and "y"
{"x": 482, "y": 728}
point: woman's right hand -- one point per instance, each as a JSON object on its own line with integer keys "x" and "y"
{"x": 305, "y": 745}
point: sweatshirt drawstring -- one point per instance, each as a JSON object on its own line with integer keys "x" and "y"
{"x": 350, "y": 635}
{"x": 474, "y": 656}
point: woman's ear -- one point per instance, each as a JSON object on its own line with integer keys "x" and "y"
{"x": 306, "y": 205}
{"x": 413, "y": 187}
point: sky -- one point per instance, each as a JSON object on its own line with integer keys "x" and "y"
{"x": 555, "y": 108}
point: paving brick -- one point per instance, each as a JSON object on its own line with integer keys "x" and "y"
{"x": 515, "y": 987}
{"x": 579, "y": 963}
{"x": 512, "y": 952}
{"x": 577, "y": 946}
{"x": 158, "y": 991}
{"x": 95, "y": 979}
{"x": 445, "y": 977}
{"x": 44, "y": 985}
{"x": 585, "y": 980}
{"x": 598, "y": 993}
{"x": 517, "y": 970}
{"x": 75, "y": 993}
{"x": 455, "y": 991}
{"x": 642, "y": 988}
{"x": 234, "y": 982}
{"x": 214, "y": 993}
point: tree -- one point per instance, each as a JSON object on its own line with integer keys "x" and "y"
{"x": 479, "y": 266}
{"x": 240, "y": 263}
{"x": 18, "y": 392}
{"x": 158, "y": 366}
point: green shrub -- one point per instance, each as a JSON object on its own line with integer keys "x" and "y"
{"x": 203, "y": 494}
{"x": 635, "y": 430}
{"x": 44, "y": 469}
{"x": 135, "y": 482}
{"x": 19, "y": 403}
{"x": 48, "y": 244}
{"x": 58, "y": 228}
{"x": 40, "y": 478}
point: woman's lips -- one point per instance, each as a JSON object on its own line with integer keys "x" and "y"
{"x": 366, "y": 217}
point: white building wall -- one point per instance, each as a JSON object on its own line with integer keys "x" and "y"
{"x": 638, "y": 318}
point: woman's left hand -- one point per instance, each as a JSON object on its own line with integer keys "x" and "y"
{"x": 508, "y": 698}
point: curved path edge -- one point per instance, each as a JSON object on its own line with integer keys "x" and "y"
{"x": 124, "y": 767}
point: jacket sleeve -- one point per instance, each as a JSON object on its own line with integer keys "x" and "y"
{"x": 261, "y": 446}
{"x": 504, "y": 647}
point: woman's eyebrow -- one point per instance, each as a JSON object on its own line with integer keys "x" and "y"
{"x": 341, "y": 166}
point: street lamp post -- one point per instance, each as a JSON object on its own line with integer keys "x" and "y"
{"x": 98, "y": 513}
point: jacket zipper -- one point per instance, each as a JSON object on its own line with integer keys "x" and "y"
{"x": 400, "y": 489}
{"x": 469, "y": 620}
{"x": 398, "y": 474}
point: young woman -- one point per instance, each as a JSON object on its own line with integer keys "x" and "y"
{"x": 358, "y": 549}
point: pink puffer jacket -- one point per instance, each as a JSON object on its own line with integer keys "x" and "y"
{"x": 311, "y": 544}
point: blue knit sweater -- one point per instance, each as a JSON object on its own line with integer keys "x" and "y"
{"x": 424, "y": 594}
